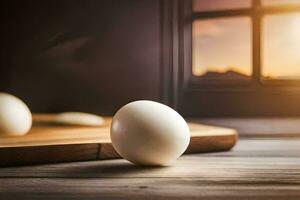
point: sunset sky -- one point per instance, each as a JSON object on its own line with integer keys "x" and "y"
{"x": 223, "y": 44}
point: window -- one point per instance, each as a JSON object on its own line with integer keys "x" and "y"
{"x": 236, "y": 58}
{"x": 281, "y": 46}
{"x": 220, "y": 51}
{"x": 242, "y": 40}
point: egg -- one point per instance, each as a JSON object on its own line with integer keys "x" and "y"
{"x": 15, "y": 116}
{"x": 149, "y": 133}
{"x": 79, "y": 119}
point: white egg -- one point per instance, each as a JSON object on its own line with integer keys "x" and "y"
{"x": 15, "y": 117}
{"x": 79, "y": 119}
{"x": 149, "y": 133}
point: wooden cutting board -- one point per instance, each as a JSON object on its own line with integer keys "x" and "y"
{"x": 50, "y": 143}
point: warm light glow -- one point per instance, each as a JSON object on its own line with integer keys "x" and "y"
{"x": 295, "y": 30}
{"x": 281, "y": 46}
{"x": 222, "y": 45}
{"x": 280, "y": 2}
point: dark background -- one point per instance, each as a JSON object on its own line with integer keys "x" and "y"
{"x": 97, "y": 55}
{"x": 91, "y": 56}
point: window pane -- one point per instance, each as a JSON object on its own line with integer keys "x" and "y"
{"x": 222, "y": 48}
{"x": 281, "y": 46}
{"x": 210, "y": 5}
{"x": 279, "y": 2}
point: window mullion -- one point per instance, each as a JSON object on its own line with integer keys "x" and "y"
{"x": 256, "y": 42}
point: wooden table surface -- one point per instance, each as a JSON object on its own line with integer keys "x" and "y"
{"x": 257, "y": 168}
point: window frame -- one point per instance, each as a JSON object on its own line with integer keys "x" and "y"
{"x": 192, "y": 98}
{"x": 256, "y": 13}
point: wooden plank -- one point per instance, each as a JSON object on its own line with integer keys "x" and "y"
{"x": 51, "y": 154}
{"x": 254, "y": 169}
{"x": 48, "y": 143}
{"x": 45, "y": 134}
{"x": 225, "y": 167}
{"x": 288, "y": 147}
{"x": 154, "y": 188}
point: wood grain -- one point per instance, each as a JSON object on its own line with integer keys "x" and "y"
{"x": 254, "y": 169}
{"x": 51, "y": 143}
{"x": 135, "y": 188}
{"x": 250, "y": 160}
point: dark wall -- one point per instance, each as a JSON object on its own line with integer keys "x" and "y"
{"x": 84, "y": 55}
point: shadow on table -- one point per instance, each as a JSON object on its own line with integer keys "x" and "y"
{"x": 105, "y": 168}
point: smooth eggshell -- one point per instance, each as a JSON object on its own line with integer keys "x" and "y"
{"x": 79, "y": 119}
{"x": 15, "y": 117}
{"x": 149, "y": 133}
